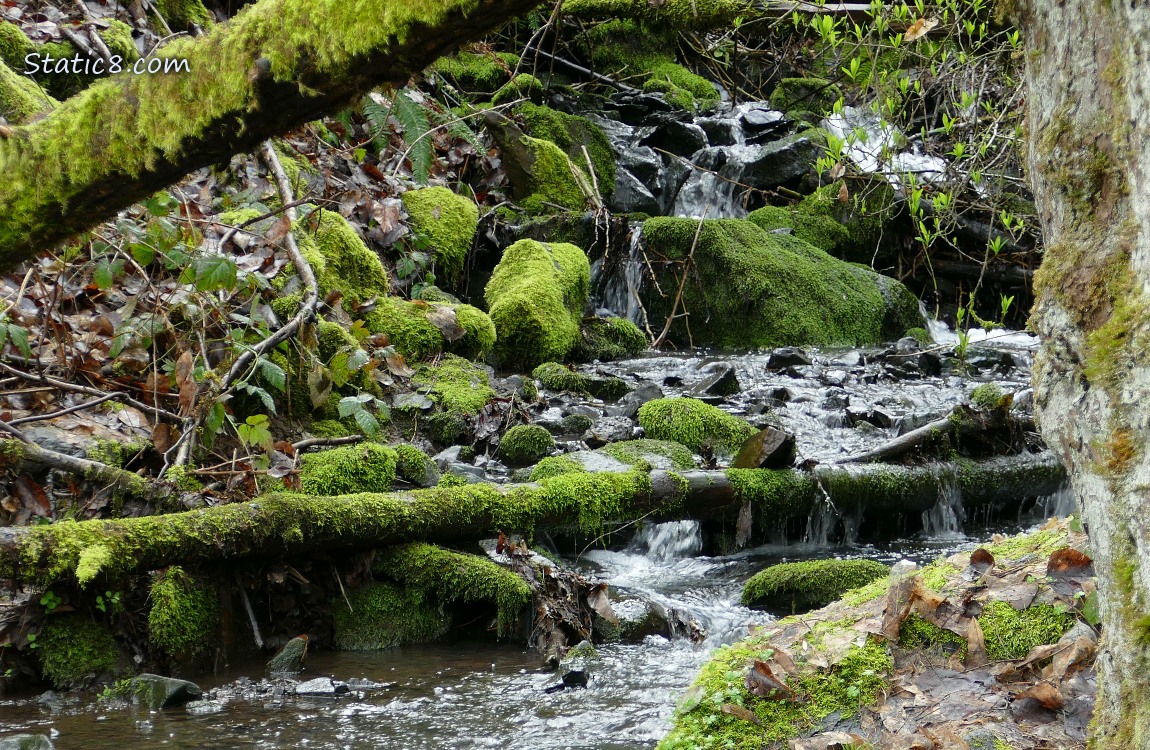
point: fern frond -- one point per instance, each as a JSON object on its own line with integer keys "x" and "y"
{"x": 376, "y": 114}
{"x": 456, "y": 128}
{"x": 412, "y": 116}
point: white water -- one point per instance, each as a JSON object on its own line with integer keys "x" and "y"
{"x": 945, "y": 519}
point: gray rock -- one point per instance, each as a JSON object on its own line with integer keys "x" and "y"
{"x": 26, "y": 742}
{"x": 786, "y": 356}
{"x": 876, "y": 417}
{"x": 359, "y": 683}
{"x": 411, "y": 402}
{"x": 907, "y": 345}
{"x": 674, "y": 174}
{"x": 643, "y": 162}
{"x": 763, "y": 119}
{"x": 322, "y": 687}
{"x": 635, "y": 108}
{"x": 203, "y": 708}
{"x": 721, "y": 382}
{"x": 631, "y": 195}
{"x": 720, "y": 131}
{"x": 769, "y": 448}
{"x": 835, "y": 398}
{"x": 156, "y": 691}
{"x": 471, "y": 474}
{"x": 628, "y": 406}
{"x": 676, "y": 137}
{"x": 596, "y": 462}
{"x": 780, "y": 162}
{"x": 608, "y": 430}
{"x": 447, "y": 456}
{"x": 835, "y": 377}
{"x": 712, "y": 158}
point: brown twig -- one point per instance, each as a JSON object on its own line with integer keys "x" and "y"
{"x": 69, "y": 410}
{"x": 66, "y": 386}
{"x": 683, "y": 280}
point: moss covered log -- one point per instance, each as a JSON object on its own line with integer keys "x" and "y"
{"x": 275, "y": 65}
{"x": 801, "y": 586}
{"x": 286, "y": 524}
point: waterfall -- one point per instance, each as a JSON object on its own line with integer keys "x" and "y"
{"x": 616, "y": 282}
{"x": 1059, "y": 504}
{"x": 945, "y": 519}
{"x": 821, "y": 523}
{"x": 664, "y": 542}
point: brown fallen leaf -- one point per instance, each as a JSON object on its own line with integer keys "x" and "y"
{"x": 828, "y": 741}
{"x": 1046, "y": 694}
{"x": 1069, "y": 562}
{"x": 739, "y": 712}
{"x": 597, "y": 600}
{"x": 844, "y": 194}
{"x": 186, "y": 381}
{"x": 162, "y": 437}
{"x": 919, "y": 28}
{"x": 762, "y": 682}
{"x": 443, "y": 318}
{"x": 982, "y": 559}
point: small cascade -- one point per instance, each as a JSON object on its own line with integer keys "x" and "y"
{"x": 1058, "y": 504}
{"x": 664, "y": 542}
{"x": 616, "y": 282}
{"x": 713, "y": 190}
{"x": 823, "y": 521}
{"x": 945, "y": 519}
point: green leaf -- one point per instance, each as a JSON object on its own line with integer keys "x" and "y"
{"x": 19, "y": 338}
{"x": 211, "y": 273}
{"x": 255, "y": 431}
{"x": 264, "y": 397}
{"x": 213, "y": 422}
{"x": 366, "y": 422}
{"x": 273, "y": 374}
{"x": 143, "y": 253}
{"x": 106, "y": 272}
{"x": 413, "y": 118}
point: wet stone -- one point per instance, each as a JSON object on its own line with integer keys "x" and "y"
{"x": 322, "y": 687}
{"x": 876, "y": 417}
{"x": 203, "y": 708}
{"x": 679, "y": 138}
{"x": 608, "y": 430}
{"x": 763, "y": 119}
{"x": 835, "y": 377}
{"x": 631, "y": 195}
{"x": 835, "y": 398}
{"x": 721, "y": 382}
{"x": 644, "y": 163}
{"x": 26, "y": 742}
{"x": 156, "y": 691}
{"x": 628, "y": 406}
{"x": 720, "y": 131}
{"x": 447, "y": 456}
{"x": 787, "y": 356}
{"x": 907, "y": 345}
{"x": 770, "y": 448}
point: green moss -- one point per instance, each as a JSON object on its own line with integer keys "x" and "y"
{"x": 181, "y": 15}
{"x": 863, "y": 218}
{"x": 701, "y": 427}
{"x": 555, "y": 377}
{"x": 329, "y": 428}
{"x": 20, "y": 98}
{"x": 93, "y": 560}
{"x": 74, "y": 651}
{"x": 184, "y": 619}
{"x": 116, "y": 453}
{"x": 824, "y": 232}
{"x": 552, "y": 186}
{"x": 986, "y": 396}
{"x": 183, "y": 479}
{"x": 334, "y": 338}
{"x": 455, "y": 384}
{"x": 553, "y": 466}
{"x": 917, "y": 633}
{"x": 608, "y": 339}
{"x": 809, "y": 94}
{"x": 447, "y": 428}
{"x": 749, "y": 288}
{"x": 477, "y": 73}
{"x": 811, "y": 584}
{"x": 535, "y": 297}
{"x": 1011, "y": 633}
{"x": 921, "y": 335}
{"x": 456, "y": 577}
{"x": 681, "y": 87}
{"x": 571, "y": 133}
{"x": 1040, "y": 543}
{"x": 525, "y": 444}
{"x": 340, "y": 260}
{"x": 14, "y": 45}
{"x": 636, "y": 452}
{"x": 366, "y": 467}
{"x": 415, "y": 337}
{"x": 576, "y": 424}
{"x": 448, "y": 220}
{"x": 775, "y": 493}
{"x": 680, "y": 15}
{"x": 522, "y": 86}
{"x": 856, "y": 681}
{"x": 414, "y": 465}
{"x": 383, "y": 616}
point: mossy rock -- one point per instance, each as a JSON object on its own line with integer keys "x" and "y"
{"x": 824, "y": 232}
{"x": 448, "y": 220}
{"x": 607, "y": 340}
{"x": 555, "y": 377}
{"x": 803, "y": 586}
{"x": 700, "y": 427}
{"x": 477, "y": 73}
{"x": 340, "y": 259}
{"x": 74, "y": 651}
{"x": 522, "y": 86}
{"x": 20, "y": 98}
{"x": 658, "y": 454}
{"x": 415, "y": 337}
{"x": 554, "y": 466}
{"x": 1011, "y": 633}
{"x": 184, "y": 619}
{"x": 571, "y": 133}
{"x": 525, "y": 444}
{"x": 416, "y": 466}
{"x": 536, "y": 296}
{"x": 865, "y": 219}
{"x": 455, "y": 384}
{"x": 366, "y": 467}
{"x": 751, "y": 288}
{"x": 384, "y": 616}
{"x": 816, "y": 95}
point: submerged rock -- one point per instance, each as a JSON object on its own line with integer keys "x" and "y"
{"x": 290, "y": 658}
{"x": 156, "y": 691}
{"x": 322, "y": 687}
{"x": 26, "y": 742}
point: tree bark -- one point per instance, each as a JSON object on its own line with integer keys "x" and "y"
{"x": 276, "y": 65}
{"x": 284, "y": 524}
{"x": 1088, "y": 144}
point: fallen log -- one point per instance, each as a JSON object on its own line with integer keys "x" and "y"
{"x": 290, "y": 524}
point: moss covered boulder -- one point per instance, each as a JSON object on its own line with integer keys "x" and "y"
{"x": 448, "y": 221}
{"x": 367, "y": 467}
{"x": 410, "y": 328}
{"x": 751, "y": 288}
{"x": 460, "y": 390}
{"x": 525, "y": 444}
{"x": 535, "y": 298}
{"x": 573, "y": 133}
{"x": 477, "y": 72}
{"x": 184, "y": 619}
{"x": 383, "y": 615}
{"x": 698, "y": 426}
{"x": 74, "y": 651}
{"x": 608, "y": 339}
{"x": 815, "y": 95}
{"x": 802, "y": 586}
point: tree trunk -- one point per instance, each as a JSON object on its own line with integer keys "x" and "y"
{"x": 276, "y": 65}
{"x": 1088, "y": 141}
{"x": 293, "y": 524}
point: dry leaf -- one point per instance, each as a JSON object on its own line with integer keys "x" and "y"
{"x": 763, "y": 683}
{"x": 919, "y": 28}
{"x": 844, "y": 194}
{"x": 162, "y": 437}
{"x": 1069, "y": 562}
{"x": 279, "y": 229}
{"x": 837, "y": 171}
{"x": 1046, "y": 694}
{"x": 746, "y": 714}
{"x": 443, "y": 318}
{"x": 186, "y": 382}
{"x": 597, "y": 600}
{"x": 397, "y": 366}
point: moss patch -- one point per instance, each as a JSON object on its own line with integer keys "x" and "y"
{"x": 816, "y": 95}
{"x": 701, "y": 427}
{"x": 181, "y": 15}
{"x": 20, "y": 98}
{"x": 456, "y": 577}
{"x": 448, "y": 220}
{"x": 680, "y": 15}
{"x": 455, "y": 384}
{"x": 555, "y": 377}
{"x": 366, "y": 467}
{"x": 414, "y": 336}
{"x": 184, "y": 619}
{"x": 640, "y": 452}
{"x": 608, "y": 339}
{"x": 1010, "y": 633}
{"x": 475, "y": 72}
{"x": 917, "y": 633}
{"x": 553, "y": 466}
{"x": 571, "y": 133}
{"x": 811, "y": 584}
{"x": 383, "y": 616}
{"x": 339, "y": 258}
{"x": 74, "y": 651}
{"x": 536, "y": 296}
{"x": 525, "y": 444}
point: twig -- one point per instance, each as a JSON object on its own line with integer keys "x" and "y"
{"x": 682, "y": 281}
{"x": 65, "y": 386}
{"x": 585, "y": 71}
{"x": 251, "y": 614}
{"x": 69, "y": 410}
{"x": 97, "y": 40}
{"x": 312, "y": 442}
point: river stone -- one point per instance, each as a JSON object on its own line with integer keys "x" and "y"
{"x": 467, "y": 472}
{"x": 712, "y": 158}
{"x": 608, "y": 430}
{"x": 674, "y": 174}
{"x": 596, "y": 462}
{"x": 156, "y": 691}
{"x": 628, "y": 406}
{"x": 720, "y": 131}
{"x": 679, "y": 138}
{"x": 781, "y": 162}
{"x": 721, "y": 382}
{"x": 635, "y": 108}
{"x": 786, "y": 356}
{"x": 411, "y": 402}
{"x": 769, "y": 448}
{"x": 203, "y": 708}
{"x": 447, "y": 456}
{"x": 26, "y": 742}
{"x": 907, "y": 345}
{"x": 322, "y": 687}
{"x": 290, "y": 658}
{"x": 876, "y": 417}
{"x": 762, "y": 119}
{"x": 631, "y": 195}
{"x": 835, "y": 398}
{"x": 644, "y": 163}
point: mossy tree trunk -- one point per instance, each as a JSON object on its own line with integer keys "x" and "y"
{"x": 1088, "y": 143}
{"x": 276, "y": 65}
